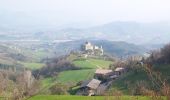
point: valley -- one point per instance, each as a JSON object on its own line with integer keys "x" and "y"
{"x": 84, "y": 50}
{"x": 72, "y": 69}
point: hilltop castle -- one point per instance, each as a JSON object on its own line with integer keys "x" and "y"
{"x": 91, "y": 49}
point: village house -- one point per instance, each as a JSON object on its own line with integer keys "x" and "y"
{"x": 89, "y": 87}
{"x": 103, "y": 78}
{"x": 103, "y": 74}
{"x": 91, "y": 49}
{"x": 119, "y": 71}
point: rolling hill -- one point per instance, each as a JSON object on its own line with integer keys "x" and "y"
{"x": 13, "y": 54}
{"x": 132, "y": 32}
{"x": 110, "y": 47}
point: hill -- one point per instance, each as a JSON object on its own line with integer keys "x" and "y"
{"x": 152, "y": 75}
{"x": 110, "y": 47}
{"x": 150, "y": 33}
{"x": 131, "y": 80}
{"x": 20, "y": 55}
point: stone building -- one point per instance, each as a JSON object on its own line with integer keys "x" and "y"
{"x": 91, "y": 49}
{"x": 103, "y": 74}
{"x": 119, "y": 71}
{"x": 89, "y": 87}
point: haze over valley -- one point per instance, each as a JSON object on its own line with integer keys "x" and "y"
{"x": 131, "y": 32}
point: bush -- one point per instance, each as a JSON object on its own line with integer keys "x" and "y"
{"x": 54, "y": 66}
{"x": 59, "y": 89}
{"x": 161, "y": 56}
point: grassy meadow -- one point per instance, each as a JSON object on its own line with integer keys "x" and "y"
{"x": 86, "y": 72}
{"x": 32, "y": 65}
{"x": 92, "y": 63}
{"x": 75, "y": 76}
{"x": 88, "y": 68}
{"x": 69, "y": 97}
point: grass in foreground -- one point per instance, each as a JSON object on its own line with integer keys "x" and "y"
{"x": 66, "y": 77}
{"x": 2, "y": 98}
{"x": 69, "y": 97}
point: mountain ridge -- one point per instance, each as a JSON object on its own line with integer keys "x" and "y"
{"x": 132, "y": 32}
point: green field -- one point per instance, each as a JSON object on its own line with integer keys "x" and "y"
{"x": 132, "y": 78}
{"x": 92, "y": 63}
{"x": 35, "y": 55}
{"x": 32, "y": 66}
{"x": 69, "y": 97}
{"x": 72, "y": 76}
{"x": 65, "y": 77}
{"x": 75, "y": 76}
{"x": 48, "y": 81}
{"x": 3, "y": 98}
{"x": 88, "y": 68}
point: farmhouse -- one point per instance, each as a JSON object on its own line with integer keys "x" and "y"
{"x": 103, "y": 79}
{"x": 89, "y": 87}
{"x": 103, "y": 74}
{"x": 91, "y": 49}
{"x": 119, "y": 71}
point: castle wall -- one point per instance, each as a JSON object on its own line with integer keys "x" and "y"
{"x": 95, "y": 50}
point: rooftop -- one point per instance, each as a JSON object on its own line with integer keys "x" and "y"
{"x": 119, "y": 69}
{"x": 94, "y": 83}
{"x": 103, "y": 71}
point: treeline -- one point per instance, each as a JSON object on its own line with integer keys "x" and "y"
{"x": 15, "y": 67}
{"x": 17, "y": 85}
{"x": 149, "y": 81}
{"x": 161, "y": 56}
{"x": 54, "y": 66}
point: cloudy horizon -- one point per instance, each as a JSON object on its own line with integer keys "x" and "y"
{"x": 88, "y": 12}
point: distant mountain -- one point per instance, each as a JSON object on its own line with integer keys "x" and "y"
{"x": 131, "y": 32}
{"x": 135, "y": 32}
{"x": 110, "y": 47}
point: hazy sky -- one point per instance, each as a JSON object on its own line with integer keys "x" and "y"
{"x": 58, "y": 12}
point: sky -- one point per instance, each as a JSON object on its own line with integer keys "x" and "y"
{"x": 89, "y": 12}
